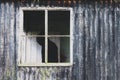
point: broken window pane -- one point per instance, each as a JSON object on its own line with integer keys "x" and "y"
{"x": 41, "y": 41}
{"x": 33, "y": 50}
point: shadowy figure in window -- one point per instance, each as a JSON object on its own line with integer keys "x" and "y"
{"x": 52, "y": 50}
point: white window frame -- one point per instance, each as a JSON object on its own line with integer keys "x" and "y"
{"x": 21, "y": 33}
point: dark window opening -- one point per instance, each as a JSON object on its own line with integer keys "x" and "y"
{"x": 34, "y": 22}
{"x": 59, "y": 22}
{"x": 57, "y": 35}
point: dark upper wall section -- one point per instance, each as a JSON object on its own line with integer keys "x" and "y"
{"x": 62, "y": 2}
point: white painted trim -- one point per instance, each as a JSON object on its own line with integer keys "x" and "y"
{"x": 46, "y": 8}
{"x": 46, "y": 30}
{"x": 47, "y": 64}
{"x": 46, "y": 36}
{"x": 71, "y": 35}
{"x": 20, "y": 32}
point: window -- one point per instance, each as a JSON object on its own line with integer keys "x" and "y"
{"x": 45, "y": 37}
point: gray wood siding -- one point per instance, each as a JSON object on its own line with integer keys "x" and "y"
{"x": 7, "y": 42}
{"x": 96, "y": 42}
{"x": 96, "y": 48}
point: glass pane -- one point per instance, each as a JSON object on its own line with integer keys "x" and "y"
{"x": 58, "y": 49}
{"x": 41, "y": 42}
{"x": 34, "y": 22}
{"x": 58, "y": 22}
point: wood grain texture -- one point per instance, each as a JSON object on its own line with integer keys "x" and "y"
{"x": 96, "y": 39}
{"x": 7, "y": 43}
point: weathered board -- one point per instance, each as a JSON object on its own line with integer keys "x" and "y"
{"x": 7, "y": 41}
{"x": 96, "y": 48}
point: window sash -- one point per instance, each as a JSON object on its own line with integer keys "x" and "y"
{"x": 47, "y": 36}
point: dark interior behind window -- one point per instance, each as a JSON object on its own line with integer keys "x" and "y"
{"x": 34, "y": 22}
{"x": 59, "y": 22}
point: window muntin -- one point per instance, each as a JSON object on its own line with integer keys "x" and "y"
{"x": 47, "y": 30}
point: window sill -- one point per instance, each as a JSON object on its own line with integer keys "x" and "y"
{"x": 45, "y": 64}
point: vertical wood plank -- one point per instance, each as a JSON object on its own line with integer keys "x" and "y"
{"x": 2, "y": 41}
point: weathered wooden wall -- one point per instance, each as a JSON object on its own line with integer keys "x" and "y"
{"x": 96, "y": 44}
{"x": 7, "y": 41}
